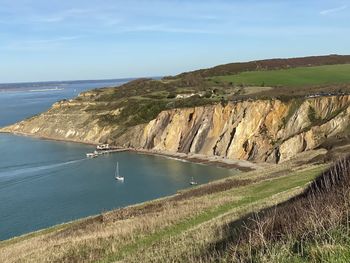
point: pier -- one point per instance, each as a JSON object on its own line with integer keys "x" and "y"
{"x": 100, "y": 152}
{"x": 104, "y": 149}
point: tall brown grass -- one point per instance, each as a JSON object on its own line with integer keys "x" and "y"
{"x": 319, "y": 216}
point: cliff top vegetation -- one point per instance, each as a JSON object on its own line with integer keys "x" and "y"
{"x": 142, "y": 100}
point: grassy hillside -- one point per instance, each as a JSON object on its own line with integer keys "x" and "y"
{"x": 142, "y": 100}
{"x": 180, "y": 228}
{"x": 293, "y": 77}
{"x": 312, "y": 227}
{"x": 268, "y": 64}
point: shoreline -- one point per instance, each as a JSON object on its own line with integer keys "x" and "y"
{"x": 241, "y": 165}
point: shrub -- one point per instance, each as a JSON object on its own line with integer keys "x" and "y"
{"x": 171, "y": 95}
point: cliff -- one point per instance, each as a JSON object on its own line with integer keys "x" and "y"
{"x": 269, "y": 115}
{"x": 257, "y": 130}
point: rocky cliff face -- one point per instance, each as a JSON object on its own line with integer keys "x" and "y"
{"x": 67, "y": 120}
{"x": 268, "y": 130}
{"x": 261, "y": 130}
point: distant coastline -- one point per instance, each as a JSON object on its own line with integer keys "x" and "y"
{"x": 51, "y": 85}
{"x": 22, "y": 86}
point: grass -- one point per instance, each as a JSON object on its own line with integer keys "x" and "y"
{"x": 126, "y": 235}
{"x": 140, "y": 101}
{"x": 331, "y": 246}
{"x": 294, "y": 77}
{"x": 249, "y": 195}
{"x": 312, "y": 227}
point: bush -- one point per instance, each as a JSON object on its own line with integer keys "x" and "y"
{"x": 207, "y": 94}
{"x": 312, "y": 115}
{"x": 171, "y": 95}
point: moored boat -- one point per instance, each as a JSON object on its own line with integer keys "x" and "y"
{"x": 193, "y": 182}
{"x": 116, "y": 174}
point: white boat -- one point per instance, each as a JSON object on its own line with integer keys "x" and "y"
{"x": 91, "y": 155}
{"x": 193, "y": 182}
{"x": 116, "y": 174}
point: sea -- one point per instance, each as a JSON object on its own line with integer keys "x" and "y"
{"x": 44, "y": 183}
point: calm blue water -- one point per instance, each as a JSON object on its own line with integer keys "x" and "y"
{"x": 43, "y": 183}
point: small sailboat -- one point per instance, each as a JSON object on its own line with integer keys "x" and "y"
{"x": 116, "y": 174}
{"x": 193, "y": 182}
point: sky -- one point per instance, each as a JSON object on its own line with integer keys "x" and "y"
{"x": 44, "y": 40}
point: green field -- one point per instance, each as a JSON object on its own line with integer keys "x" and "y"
{"x": 294, "y": 77}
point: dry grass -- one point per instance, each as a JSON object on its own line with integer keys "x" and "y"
{"x": 193, "y": 245}
{"x": 93, "y": 239}
{"x": 312, "y": 227}
{"x": 162, "y": 230}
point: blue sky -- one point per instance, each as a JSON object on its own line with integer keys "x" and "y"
{"x": 76, "y": 39}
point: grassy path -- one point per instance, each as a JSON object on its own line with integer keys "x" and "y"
{"x": 253, "y": 194}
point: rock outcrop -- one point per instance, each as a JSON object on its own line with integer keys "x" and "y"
{"x": 260, "y": 130}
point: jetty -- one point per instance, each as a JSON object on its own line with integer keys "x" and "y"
{"x": 100, "y": 152}
{"x": 105, "y": 149}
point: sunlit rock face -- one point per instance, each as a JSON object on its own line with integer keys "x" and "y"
{"x": 260, "y": 130}
{"x": 263, "y": 130}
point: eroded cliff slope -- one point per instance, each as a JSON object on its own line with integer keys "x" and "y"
{"x": 258, "y": 130}
{"x": 263, "y": 130}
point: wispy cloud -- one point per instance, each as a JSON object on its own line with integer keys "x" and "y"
{"x": 333, "y": 10}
